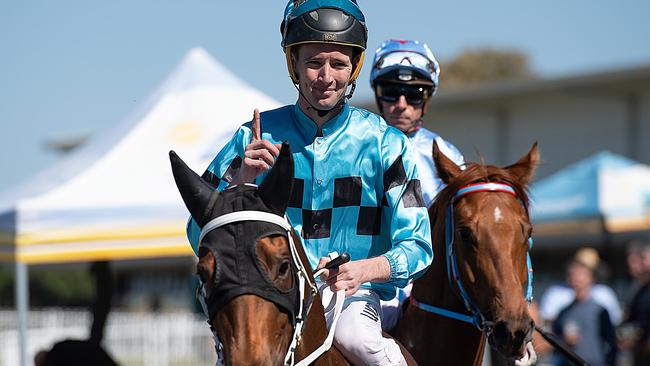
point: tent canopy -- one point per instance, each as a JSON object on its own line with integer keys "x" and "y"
{"x": 114, "y": 197}
{"x": 603, "y": 194}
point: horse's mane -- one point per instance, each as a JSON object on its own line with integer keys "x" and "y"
{"x": 474, "y": 173}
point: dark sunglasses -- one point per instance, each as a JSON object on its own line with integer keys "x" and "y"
{"x": 414, "y": 94}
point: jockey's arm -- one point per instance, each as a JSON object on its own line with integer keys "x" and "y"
{"x": 409, "y": 229}
{"x": 411, "y": 250}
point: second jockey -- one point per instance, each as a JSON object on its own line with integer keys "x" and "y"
{"x": 404, "y": 76}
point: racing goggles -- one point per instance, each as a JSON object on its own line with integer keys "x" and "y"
{"x": 414, "y": 94}
{"x": 412, "y": 60}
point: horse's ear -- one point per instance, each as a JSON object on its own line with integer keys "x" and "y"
{"x": 195, "y": 191}
{"x": 445, "y": 167}
{"x": 278, "y": 184}
{"x": 524, "y": 169}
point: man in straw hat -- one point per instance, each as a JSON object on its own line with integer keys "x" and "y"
{"x": 559, "y": 296}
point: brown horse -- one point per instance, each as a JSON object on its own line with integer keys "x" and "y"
{"x": 250, "y": 275}
{"x": 488, "y": 233}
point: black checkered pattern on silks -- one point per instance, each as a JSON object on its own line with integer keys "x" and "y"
{"x": 297, "y": 193}
{"x": 316, "y": 224}
{"x": 232, "y": 170}
{"x": 412, "y": 196}
{"x": 394, "y": 175}
{"x": 369, "y": 222}
{"x": 209, "y": 177}
{"x": 347, "y": 191}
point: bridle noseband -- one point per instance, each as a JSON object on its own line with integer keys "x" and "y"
{"x": 475, "y": 317}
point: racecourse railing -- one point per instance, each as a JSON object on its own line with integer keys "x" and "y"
{"x": 132, "y": 339}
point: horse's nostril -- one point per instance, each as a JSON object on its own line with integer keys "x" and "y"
{"x": 500, "y": 331}
{"x": 513, "y": 331}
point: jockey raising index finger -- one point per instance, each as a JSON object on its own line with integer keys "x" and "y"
{"x": 258, "y": 156}
{"x": 355, "y": 189}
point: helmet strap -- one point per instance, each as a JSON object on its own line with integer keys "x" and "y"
{"x": 323, "y": 112}
{"x": 352, "y": 89}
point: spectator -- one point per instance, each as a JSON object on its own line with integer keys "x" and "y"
{"x": 634, "y": 260}
{"x": 560, "y": 296}
{"x": 584, "y": 324}
{"x": 73, "y": 352}
{"x": 638, "y": 317}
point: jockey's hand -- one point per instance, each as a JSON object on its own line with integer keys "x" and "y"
{"x": 259, "y": 155}
{"x": 350, "y": 276}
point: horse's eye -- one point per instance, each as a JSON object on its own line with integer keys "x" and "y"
{"x": 465, "y": 235}
{"x": 284, "y": 268}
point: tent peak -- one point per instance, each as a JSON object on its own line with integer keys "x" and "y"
{"x": 198, "y": 53}
{"x": 200, "y": 100}
{"x": 198, "y": 69}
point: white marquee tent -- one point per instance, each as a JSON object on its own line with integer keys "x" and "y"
{"x": 115, "y": 197}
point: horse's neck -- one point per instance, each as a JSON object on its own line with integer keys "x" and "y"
{"x": 315, "y": 331}
{"x": 434, "y": 288}
{"x": 314, "y": 335}
{"x": 448, "y": 341}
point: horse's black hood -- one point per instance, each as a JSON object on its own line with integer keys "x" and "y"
{"x": 238, "y": 270}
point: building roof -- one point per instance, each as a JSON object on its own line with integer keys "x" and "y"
{"x": 626, "y": 80}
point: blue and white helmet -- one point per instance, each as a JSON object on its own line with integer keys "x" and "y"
{"x": 407, "y": 62}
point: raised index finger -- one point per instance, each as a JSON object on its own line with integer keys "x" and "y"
{"x": 255, "y": 126}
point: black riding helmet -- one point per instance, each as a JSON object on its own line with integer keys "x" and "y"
{"x": 323, "y": 21}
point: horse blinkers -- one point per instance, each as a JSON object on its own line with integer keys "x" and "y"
{"x": 239, "y": 271}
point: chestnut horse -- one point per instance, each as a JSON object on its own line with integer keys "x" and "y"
{"x": 257, "y": 287}
{"x": 479, "y": 283}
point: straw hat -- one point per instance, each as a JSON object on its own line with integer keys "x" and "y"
{"x": 588, "y": 257}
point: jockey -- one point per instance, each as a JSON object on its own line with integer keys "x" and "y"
{"x": 356, "y": 186}
{"x": 404, "y": 75}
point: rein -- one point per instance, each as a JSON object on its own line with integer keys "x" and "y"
{"x": 475, "y": 317}
{"x": 306, "y": 300}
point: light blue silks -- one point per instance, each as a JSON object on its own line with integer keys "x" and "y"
{"x": 356, "y": 189}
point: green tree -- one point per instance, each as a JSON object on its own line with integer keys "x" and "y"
{"x": 50, "y": 287}
{"x": 476, "y": 66}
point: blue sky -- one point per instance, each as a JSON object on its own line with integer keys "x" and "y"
{"x": 70, "y": 68}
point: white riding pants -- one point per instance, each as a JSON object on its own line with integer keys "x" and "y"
{"x": 359, "y": 335}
